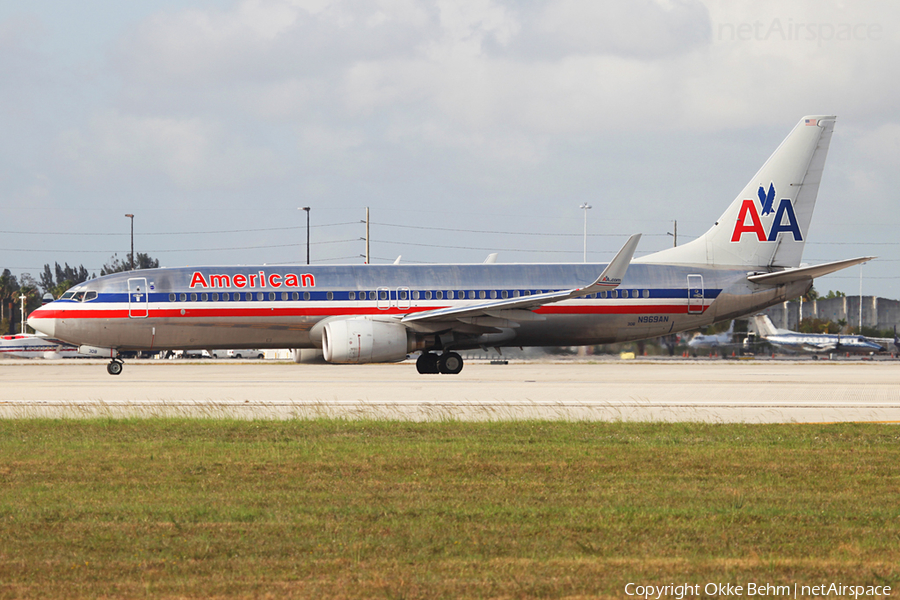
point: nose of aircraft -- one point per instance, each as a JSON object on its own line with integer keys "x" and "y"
{"x": 39, "y": 320}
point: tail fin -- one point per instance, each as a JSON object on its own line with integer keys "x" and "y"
{"x": 764, "y": 326}
{"x": 767, "y": 224}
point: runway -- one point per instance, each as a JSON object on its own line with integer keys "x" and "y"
{"x": 709, "y": 391}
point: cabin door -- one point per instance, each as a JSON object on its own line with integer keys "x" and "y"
{"x": 138, "y": 298}
{"x": 695, "y": 294}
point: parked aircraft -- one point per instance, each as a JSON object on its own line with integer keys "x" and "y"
{"x": 817, "y": 343}
{"x": 713, "y": 340}
{"x": 887, "y": 342}
{"x": 748, "y": 260}
{"x": 28, "y": 345}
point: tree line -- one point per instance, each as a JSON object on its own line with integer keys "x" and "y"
{"x": 53, "y": 281}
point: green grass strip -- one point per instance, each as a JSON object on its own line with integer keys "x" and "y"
{"x": 375, "y": 509}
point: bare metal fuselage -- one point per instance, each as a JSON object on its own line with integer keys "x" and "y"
{"x": 209, "y": 307}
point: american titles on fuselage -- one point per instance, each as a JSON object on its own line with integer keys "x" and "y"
{"x": 274, "y": 280}
{"x": 755, "y": 226}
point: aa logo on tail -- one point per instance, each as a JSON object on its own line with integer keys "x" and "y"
{"x": 750, "y": 218}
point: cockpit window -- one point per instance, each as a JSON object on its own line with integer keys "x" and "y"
{"x": 88, "y": 296}
{"x": 67, "y": 295}
{"x": 79, "y": 296}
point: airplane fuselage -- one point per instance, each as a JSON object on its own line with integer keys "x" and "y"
{"x": 822, "y": 343}
{"x": 278, "y": 306}
{"x": 35, "y": 346}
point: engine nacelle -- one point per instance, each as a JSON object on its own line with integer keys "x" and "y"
{"x": 361, "y": 340}
{"x": 308, "y": 356}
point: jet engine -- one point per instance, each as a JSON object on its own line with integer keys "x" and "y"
{"x": 361, "y": 340}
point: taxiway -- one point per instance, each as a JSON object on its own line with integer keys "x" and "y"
{"x": 711, "y": 391}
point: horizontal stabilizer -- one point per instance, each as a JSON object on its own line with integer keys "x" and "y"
{"x": 800, "y": 273}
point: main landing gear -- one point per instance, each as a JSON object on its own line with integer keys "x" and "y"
{"x": 115, "y": 366}
{"x": 448, "y": 363}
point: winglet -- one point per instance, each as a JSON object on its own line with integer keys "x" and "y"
{"x": 611, "y": 277}
{"x": 614, "y": 272}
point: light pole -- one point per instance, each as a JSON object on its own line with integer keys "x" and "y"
{"x": 306, "y": 208}
{"x": 585, "y": 206}
{"x": 130, "y": 216}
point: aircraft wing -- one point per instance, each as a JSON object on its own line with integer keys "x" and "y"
{"x": 796, "y": 274}
{"x": 519, "y": 308}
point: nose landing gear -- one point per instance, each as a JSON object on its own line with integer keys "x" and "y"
{"x": 115, "y": 366}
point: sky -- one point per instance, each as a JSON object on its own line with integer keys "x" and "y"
{"x": 466, "y": 127}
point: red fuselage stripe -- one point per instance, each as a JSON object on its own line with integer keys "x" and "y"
{"x": 123, "y": 313}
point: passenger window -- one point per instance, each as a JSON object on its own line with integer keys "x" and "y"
{"x": 194, "y": 297}
{"x": 481, "y": 294}
{"x": 646, "y": 293}
{"x": 471, "y": 295}
{"x": 225, "y": 296}
{"x": 260, "y": 296}
{"x": 182, "y": 297}
{"x": 171, "y": 297}
{"x": 428, "y": 295}
{"x": 402, "y": 294}
{"x": 351, "y": 296}
{"x": 504, "y": 294}
{"x": 271, "y": 295}
{"x": 284, "y": 295}
{"x": 439, "y": 295}
{"x": 295, "y": 295}
{"x": 306, "y": 295}
{"x": 204, "y": 296}
{"x": 415, "y": 294}
{"x": 329, "y": 296}
{"x": 382, "y": 295}
{"x": 493, "y": 293}
{"x": 215, "y": 296}
{"x": 515, "y": 293}
{"x": 371, "y": 295}
{"x": 450, "y": 295}
{"x": 624, "y": 293}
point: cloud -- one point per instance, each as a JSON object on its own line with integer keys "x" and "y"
{"x": 260, "y": 40}
{"x": 639, "y": 29}
{"x": 188, "y": 152}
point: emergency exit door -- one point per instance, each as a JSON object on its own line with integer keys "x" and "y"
{"x": 695, "y": 294}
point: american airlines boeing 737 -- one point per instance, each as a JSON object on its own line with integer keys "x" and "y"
{"x": 748, "y": 260}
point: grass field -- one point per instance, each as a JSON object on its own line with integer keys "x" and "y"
{"x": 349, "y": 509}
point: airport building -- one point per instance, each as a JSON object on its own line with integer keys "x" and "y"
{"x": 880, "y": 313}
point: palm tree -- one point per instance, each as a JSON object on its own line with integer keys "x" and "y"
{"x": 8, "y": 286}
